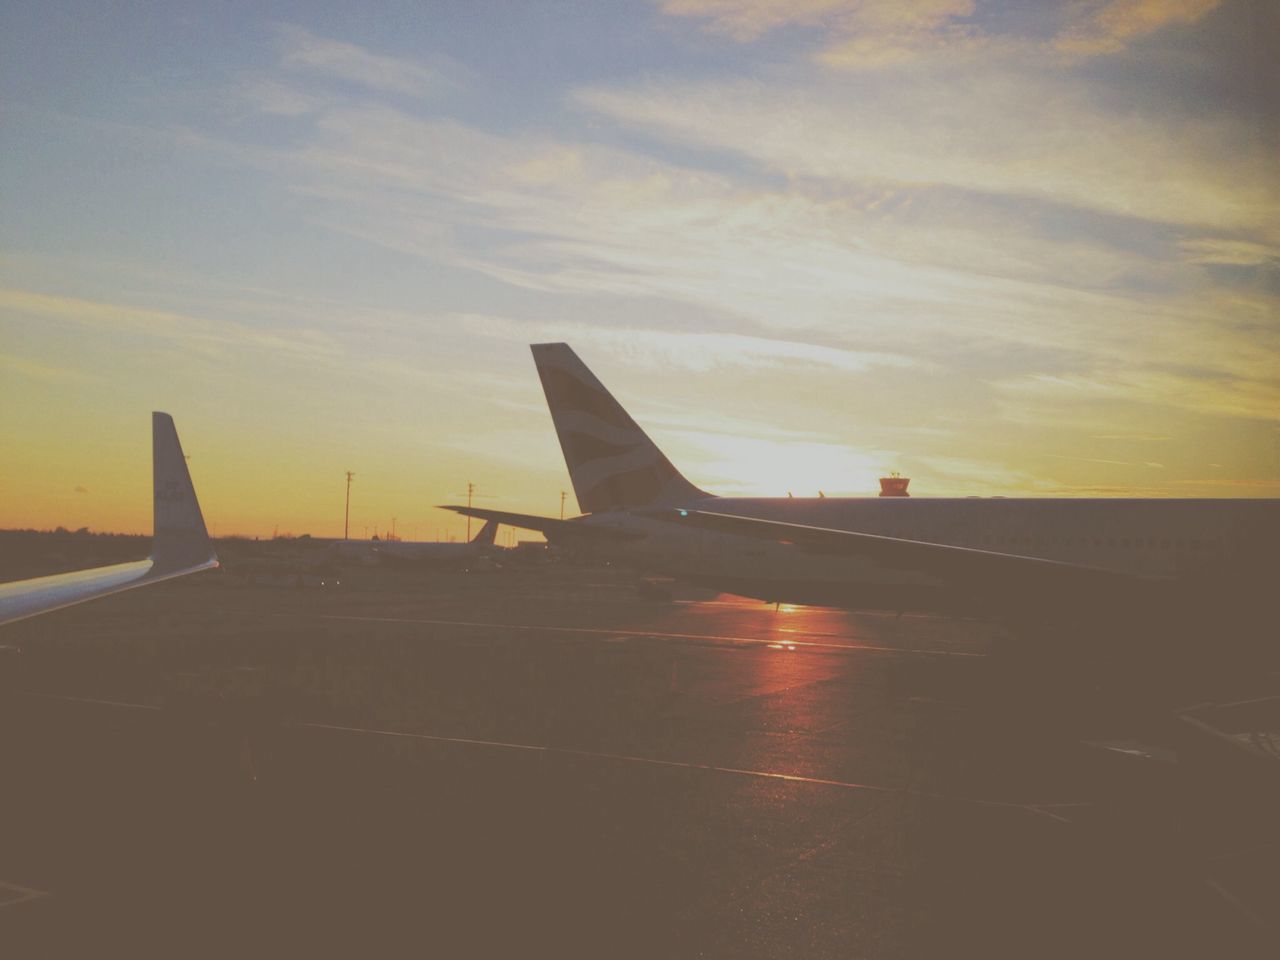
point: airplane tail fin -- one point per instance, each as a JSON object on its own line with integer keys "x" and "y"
{"x": 487, "y": 534}
{"x": 180, "y": 539}
{"x": 612, "y": 462}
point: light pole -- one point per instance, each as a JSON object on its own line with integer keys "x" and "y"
{"x": 346, "y": 516}
{"x": 471, "y": 487}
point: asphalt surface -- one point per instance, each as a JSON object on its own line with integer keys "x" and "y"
{"x": 539, "y": 763}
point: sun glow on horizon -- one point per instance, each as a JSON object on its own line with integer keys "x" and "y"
{"x": 1026, "y": 253}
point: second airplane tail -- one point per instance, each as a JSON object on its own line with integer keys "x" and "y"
{"x": 612, "y": 462}
{"x": 488, "y": 534}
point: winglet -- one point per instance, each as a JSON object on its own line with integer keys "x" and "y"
{"x": 180, "y": 538}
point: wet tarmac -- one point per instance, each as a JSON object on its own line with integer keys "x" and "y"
{"x": 539, "y": 763}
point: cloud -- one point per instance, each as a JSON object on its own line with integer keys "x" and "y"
{"x": 991, "y": 134}
{"x": 837, "y": 251}
{"x": 747, "y": 20}
{"x": 1149, "y": 464}
{"x": 1109, "y": 27}
{"x": 861, "y": 34}
{"x": 274, "y": 98}
{"x": 81, "y": 489}
{"x": 304, "y": 51}
{"x": 876, "y": 34}
{"x": 35, "y": 370}
{"x": 694, "y": 352}
{"x": 210, "y": 338}
{"x": 1221, "y": 394}
{"x": 1235, "y": 252}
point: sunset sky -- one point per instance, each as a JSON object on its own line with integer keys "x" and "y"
{"x": 1004, "y": 248}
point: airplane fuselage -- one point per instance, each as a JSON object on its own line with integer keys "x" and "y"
{"x": 1207, "y": 544}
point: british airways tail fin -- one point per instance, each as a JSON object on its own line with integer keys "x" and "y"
{"x": 180, "y": 538}
{"x": 612, "y": 462}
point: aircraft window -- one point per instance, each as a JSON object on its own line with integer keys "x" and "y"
{"x": 1124, "y": 542}
{"x": 1195, "y": 544}
{"x": 1182, "y": 544}
{"x": 1164, "y": 544}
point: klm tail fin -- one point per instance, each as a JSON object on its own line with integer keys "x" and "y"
{"x": 487, "y": 534}
{"x": 612, "y": 462}
{"x": 180, "y": 539}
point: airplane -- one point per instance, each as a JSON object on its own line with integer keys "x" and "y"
{"x": 1023, "y": 559}
{"x": 481, "y": 547}
{"x": 180, "y": 543}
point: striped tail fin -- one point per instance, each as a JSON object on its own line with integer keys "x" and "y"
{"x": 612, "y": 462}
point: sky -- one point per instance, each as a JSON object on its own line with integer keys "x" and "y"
{"x": 1005, "y": 248}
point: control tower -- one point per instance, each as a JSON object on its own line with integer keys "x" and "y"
{"x": 894, "y": 485}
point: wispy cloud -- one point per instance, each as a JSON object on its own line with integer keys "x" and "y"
{"x": 862, "y": 34}
{"x": 940, "y": 237}
{"x": 874, "y": 34}
{"x": 1149, "y": 464}
{"x": 302, "y": 50}
{"x": 25, "y": 367}
{"x": 1109, "y": 26}
{"x": 1223, "y": 395}
{"x": 876, "y": 245}
{"x": 991, "y": 134}
{"x": 676, "y": 350}
{"x": 196, "y": 334}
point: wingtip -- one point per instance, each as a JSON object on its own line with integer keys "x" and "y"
{"x": 180, "y": 538}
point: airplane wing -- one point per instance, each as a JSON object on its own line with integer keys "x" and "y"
{"x": 963, "y": 566}
{"x": 549, "y": 527}
{"x": 180, "y": 543}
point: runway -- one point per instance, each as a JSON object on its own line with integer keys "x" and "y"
{"x": 540, "y": 764}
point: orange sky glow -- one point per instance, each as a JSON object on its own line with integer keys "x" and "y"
{"x": 1006, "y": 249}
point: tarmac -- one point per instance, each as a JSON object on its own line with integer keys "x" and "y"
{"x": 538, "y": 762}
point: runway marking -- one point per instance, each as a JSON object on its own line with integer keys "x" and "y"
{"x": 1233, "y": 703}
{"x": 25, "y": 894}
{"x": 613, "y": 632}
{"x": 1042, "y": 809}
{"x": 1239, "y": 905}
{"x": 100, "y": 703}
{"x": 1039, "y": 809}
{"x": 1243, "y": 851}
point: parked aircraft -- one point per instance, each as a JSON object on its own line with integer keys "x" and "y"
{"x": 180, "y": 543}
{"x": 480, "y": 549}
{"x": 1036, "y": 558}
